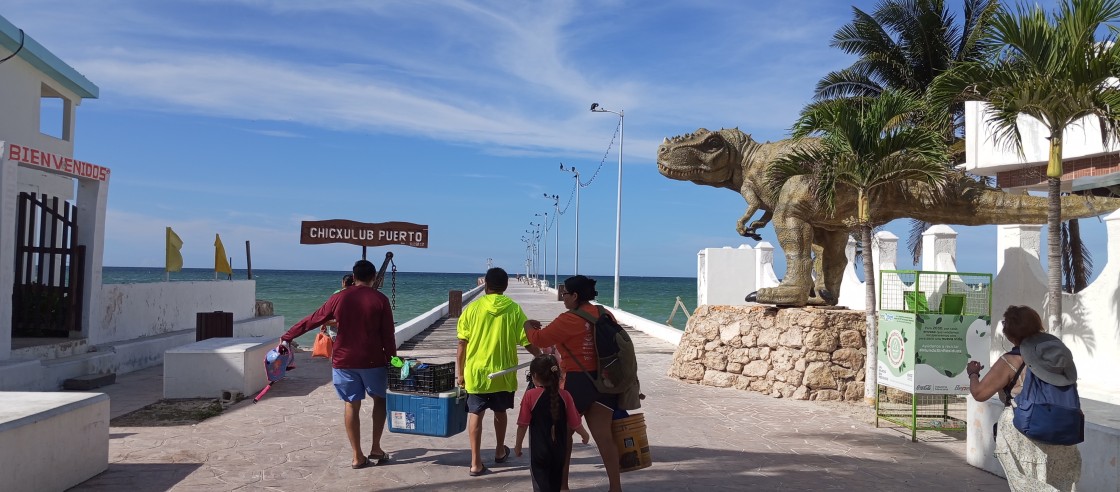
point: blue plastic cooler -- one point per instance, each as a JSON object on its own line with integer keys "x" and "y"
{"x": 440, "y": 415}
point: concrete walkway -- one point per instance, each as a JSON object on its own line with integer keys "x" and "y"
{"x": 702, "y": 439}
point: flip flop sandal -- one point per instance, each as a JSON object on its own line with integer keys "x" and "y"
{"x": 503, "y": 458}
{"x": 378, "y": 459}
{"x": 481, "y": 472}
{"x": 365, "y": 464}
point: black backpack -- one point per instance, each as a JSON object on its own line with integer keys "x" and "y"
{"x": 618, "y": 364}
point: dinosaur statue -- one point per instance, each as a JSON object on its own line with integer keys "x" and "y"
{"x": 812, "y": 239}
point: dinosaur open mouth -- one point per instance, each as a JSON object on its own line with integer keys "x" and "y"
{"x": 677, "y": 173}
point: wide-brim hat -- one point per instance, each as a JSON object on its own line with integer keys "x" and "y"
{"x": 1049, "y": 359}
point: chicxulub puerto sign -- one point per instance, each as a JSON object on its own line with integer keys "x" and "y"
{"x": 363, "y": 234}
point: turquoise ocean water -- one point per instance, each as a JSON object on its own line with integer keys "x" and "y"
{"x": 297, "y": 293}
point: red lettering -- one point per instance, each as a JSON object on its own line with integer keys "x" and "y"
{"x": 61, "y": 163}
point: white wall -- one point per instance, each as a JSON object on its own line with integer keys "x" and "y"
{"x": 984, "y": 157}
{"x": 1090, "y": 318}
{"x": 19, "y": 103}
{"x": 724, "y": 276}
{"x": 8, "y": 176}
{"x": 884, "y": 255}
{"x": 128, "y": 311}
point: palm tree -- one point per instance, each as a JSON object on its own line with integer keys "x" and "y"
{"x": 1055, "y": 69}
{"x": 904, "y": 45}
{"x": 867, "y": 144}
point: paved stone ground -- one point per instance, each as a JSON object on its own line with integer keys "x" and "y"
{"x": 702, "y": 439}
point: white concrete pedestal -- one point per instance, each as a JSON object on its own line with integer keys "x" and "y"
{"x": 982, "y": 417}
{"x": 205, "y": 369}
{"x": 52, "y": 441}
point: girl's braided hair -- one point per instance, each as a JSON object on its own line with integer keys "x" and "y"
{"x": 547, "y": 371}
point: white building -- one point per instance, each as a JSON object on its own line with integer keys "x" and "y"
{"x": 1087, "y": 163}
{"x": 57, "y": 320}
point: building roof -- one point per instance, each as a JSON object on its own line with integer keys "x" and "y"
{"x": 45, "y": 61}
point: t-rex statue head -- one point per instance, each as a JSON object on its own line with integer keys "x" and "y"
{"x": 704, "y": 157}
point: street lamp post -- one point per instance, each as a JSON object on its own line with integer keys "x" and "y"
{"x": 526, "y": 241}
{"x": 544, "y": 246}
{"x": 556, "y": 243}
{"x": 618, "y": 210}
{"x": 535, "y": 237}
{"x": 578, "y": 186}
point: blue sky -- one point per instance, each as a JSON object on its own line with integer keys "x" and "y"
{"x": 245, "y": 117}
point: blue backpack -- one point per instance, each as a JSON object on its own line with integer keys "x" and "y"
{"x": 1049, "y": 414}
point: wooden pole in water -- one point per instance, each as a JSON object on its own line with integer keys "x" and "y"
{"x": 248, "y": 260}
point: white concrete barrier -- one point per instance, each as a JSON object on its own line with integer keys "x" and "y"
{"x": 1100, "y": 452}
{"x": 408, "y": 329}
{"x": 261, "y": 326}
{"x": 207, "y": 368}
{"x": 52, "y": 441}
{"x": 652, "y": 328}
{"x": 980, "y": 438}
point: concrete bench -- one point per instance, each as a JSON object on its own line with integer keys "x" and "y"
{"x": 52, "y": 441}
{"x": 1100, "y": 452}
{"x": 208, "y": 368}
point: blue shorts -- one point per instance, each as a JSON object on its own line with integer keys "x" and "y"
{"x": 355, "y": 384}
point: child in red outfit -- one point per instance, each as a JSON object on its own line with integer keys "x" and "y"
{"x": 548, "y": 413}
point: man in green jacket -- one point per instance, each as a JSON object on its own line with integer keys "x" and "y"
{"x": 489, "y": 332}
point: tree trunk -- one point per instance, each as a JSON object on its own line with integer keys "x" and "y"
{"x": 1080, "y": 261}
{"x": 870, "y": 380}
{"x": 1054, "y": 237}
{"x": 1054, "y": 257}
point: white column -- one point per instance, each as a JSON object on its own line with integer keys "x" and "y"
{"x": 764, "y": 252}
{"x": 885, "y": 254}
{"x": 1028, "y": 238}
{"x": 939, "y": 249}
{"x": 93, "y": 196}
{"x": 1112, "y": 227}
{"x": 9, "y": 191}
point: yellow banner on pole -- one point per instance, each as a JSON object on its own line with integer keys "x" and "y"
{"x": 174, "y": 261}
{"x": 221, "y": 264}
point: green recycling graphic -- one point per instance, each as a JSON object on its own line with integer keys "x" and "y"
{"x": 927, "y": 353}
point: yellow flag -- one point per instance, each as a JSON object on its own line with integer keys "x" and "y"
{"x": 221, "y": 264}
{"x": 174, "y": 258}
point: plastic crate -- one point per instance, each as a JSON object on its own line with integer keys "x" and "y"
{"x": 431, "y": 380}
{"x": 441, "y": 415}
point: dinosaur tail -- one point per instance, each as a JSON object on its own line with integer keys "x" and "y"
{"x": 996, "y": 207}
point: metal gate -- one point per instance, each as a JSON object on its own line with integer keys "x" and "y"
{"x": 49, "y": 270}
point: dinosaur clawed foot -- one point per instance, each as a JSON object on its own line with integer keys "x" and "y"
{"x": 782, "y": 295}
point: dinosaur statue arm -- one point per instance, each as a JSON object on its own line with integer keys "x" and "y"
{"x": 752, "y": 206}
{"x": 762, "y": 221}
{"x": 741, "y": 225}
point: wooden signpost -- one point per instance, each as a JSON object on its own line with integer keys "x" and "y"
{"x": 363, "y": 234}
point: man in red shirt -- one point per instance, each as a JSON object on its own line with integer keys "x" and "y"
{"x": 362, "y": 349}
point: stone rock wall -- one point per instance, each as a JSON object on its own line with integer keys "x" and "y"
{"x": 801, "y": 353}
